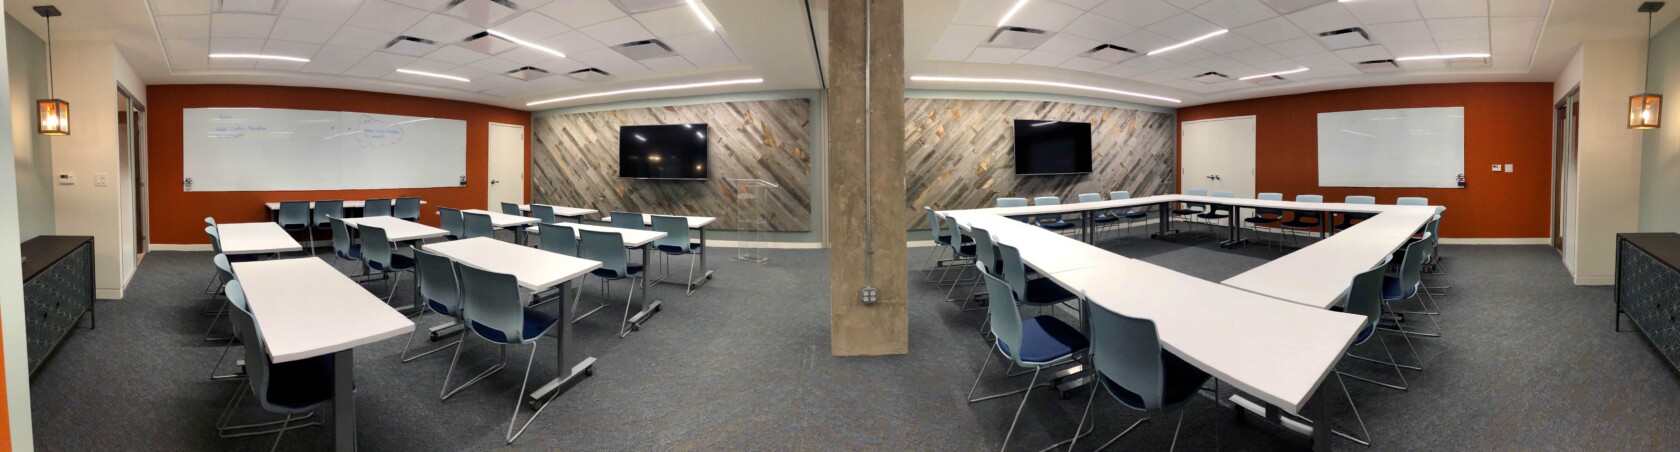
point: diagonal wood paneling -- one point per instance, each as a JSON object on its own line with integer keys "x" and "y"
{"x": 575, "y": 162}
{"x": 959, "y": 153}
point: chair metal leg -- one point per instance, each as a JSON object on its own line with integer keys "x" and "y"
{"x": 1427, "y": 312}
{"x": 460, "y": 344}
{"x": 692, "y": 259}
{"x": 404, "y": 355}
{"x": 1406, "y": 335}
{"x": 529, "y": 362}
{"x": 624, "y": 325}
{"x": 219, "y": 361}
{"x": 1356, "y": 417}
{"x": 222, "y": 427}
{"x": 1403, "y": 383}
{"x": 1018, "y": 408}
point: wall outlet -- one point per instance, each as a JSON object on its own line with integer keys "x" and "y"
{"x": 869, "y": 295}
{"x": 1497, "y": 167}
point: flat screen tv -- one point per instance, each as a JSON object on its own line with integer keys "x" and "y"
{"x": 676, "y": 151}
{"x": 1052, "y": 147}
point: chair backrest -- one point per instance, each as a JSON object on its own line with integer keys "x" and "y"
{"x": 491, "y": 304}
{"x": 1360, "y": 200}
{"x": 1225, "y": 209}
{"x": 1116, "y": 195}
{"x": 451, "y": 221}
{"x": 293, "y": 213}
{"x": 1012, "y": 202}
{"x": 1005, "y": 319}
{"x": 606, "y": 248}
{"x": 256, "y": 360}
{"x": 1432, "y": 233}
{"x": 340, "y": 237}
{"x": 476, "y": 225}
{"x": 1268, "y": 197}
{"x": 376, "y": 246}
{"x": 626, "y": 220}
{"x": 939, "y": 234}
{"x": 1047, "y": 201}
{"x": 1305, "y": 215}
{"x": 984, "y": 251}
{"x": 556, "y": 238}
{"x": 324, "y": 210}
{"x": 1196, "y": 192}
{"x": 511, "y": 208}
{"x": 215, "y": 238}
{"x": 544, "y": 213}
{"x": 210, "y": 221}
{"x": 1090, "y": 197}
{"x": 676, "y": 232}
{"x": 1365, "y": 295}
{"x": 1128, "y": 351}
{"x": 379, "y": 207}
{"x": 954, "y": 232}
{"x": 224, "y": 269}
{"x": 1411, "y": 266}
{"x": 438, "y": 283}
{"x": 1309, "y": 198}
{"x": 1224, "y": 194}
{"x": 1412, "y": 201}
{"x": 407, "y": 207}
{"x": 1014, "y": 269}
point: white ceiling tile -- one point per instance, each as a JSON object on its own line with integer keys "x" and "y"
{"x": 291, "y": 49}
{"x": 482, "y": 13}
{"x": 1441, "y": 9}
{"x": 1195, "y": 86}
{"x": 1185, "y": 54}
{"x": 1296, "y": 47}
{"x": 177, "y": 7}
{"x": 1082, "y": 4}
{"x": 1158, "y": 77}
{"x": 1042, "y": 58}
{"x": 704, "y": 41}
{"x": 1044, "y": 16}
{"x": 1144, "y": 41}
{"x": 386, "y": 60}
{"x": 527, "y": 55}
{"x": 1325, "y": 17}
{"x": 1234, "y": 13}
{"x": 1085, "y": 64}
{"x": 361, "y": 38}
{"x": 1414, "y": 31}
{"x": 368, "y": 70}
{"x": 1095, "y": 26}
{"x": 981, "y": 12}
{"x": 1422, "y": 65}
{"x": 348, "y": 56}
{"x": 1234, "y": 84}
{"x": 617, "y": 31}
{"x": 1149, "y": 64}
{"x": 1503, "y": 8}
{"x": 1405, "y": 49}
{"x": 1256, "y": 56}
{"x": 1464, "y": 46}
{"x": 188, "y": 53}
{"x": 237, "y": 45}
{"x": 1187, "y": 4}
{"x": 625, "y": 68}
{"x": 233, "y": 63}
{"x": 1276, "y": 66}
{"x": 442, "y": 29}
{"x": 957, "y": 42}
{"x": 1504, "y": 60}
{"x": 428, "y": 5}
{"x": 425, "y": 65}
{"x": 184, "y": 27}
{"x": 300, "y": 30}
{"x": 1324, "y": 64}
{"x": 712, "y": 58}
{"x": 335, "y": 11}
{"x": 495, "y": 64}
{"x": 561, "y": 65}
{"x": 675, "y": 63}
{"x": 1223, "y": 64}
{"x": 1138, "y": 13}
{"x": 454, "y": 54}
{"x": 670, "y": 22}
{"x": 1120, "y": 70}
{"x": 532, "y": 27}
{"x": 226, "y": 25}
{"x": 1277, "y": 29}
{"x": 1515, "y": 35}
{"x": 601, "y": 57}
{"x": 1460, "y": 28}
{"x": 1067, "y": 44}
{"x": 995, "y": 55}
{"x": 385, "y": 16}
{"x": 1226, "y": 43}
{"x": 280, "y": 65}
{"x": 323, "y": 67}
{"x": 1383, "y": 11}
{"x": 580, "y": 13}
{"x": 1183, "y": 27}
{"x": 1366, "y": 53}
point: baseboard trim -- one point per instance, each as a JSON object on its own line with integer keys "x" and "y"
{"x": 166, "y": 247}
{"x": 108, "y": 294}
{"x": 1511, "y": 241}
{"x": 1595, "y": 280}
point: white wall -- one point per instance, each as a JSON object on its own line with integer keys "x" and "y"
{"x": 12, "y": 319}
{"x": 86, "y": 77}
{"x": 1659, "y": 191}
{"x": 1608, "y": 174}
{"x": 33, "y": 159}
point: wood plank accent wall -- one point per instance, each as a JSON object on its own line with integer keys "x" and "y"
{"x": 960, "y": 153}
{"x": 575, "y": 162}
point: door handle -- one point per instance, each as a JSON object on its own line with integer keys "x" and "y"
{"x": 1213, "y": 177}
{"x": 493, "y": 181}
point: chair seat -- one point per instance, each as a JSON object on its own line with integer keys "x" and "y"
{"x": 1186, "y": 211}
{"x": 966, "y": 250}
{"x": 1044, "y": 292}
{"x": 1056, "y": 225}
{"x": 673, "y": 249}
{"x": 355, "y": 253}
{"x": 398, "y": 263}
{"x": 610, "y": 275}
{"x": 439, "y": 307}
{"x": 1214, "y": 216}
{"x": 1135, "y": 214}
{"x": 243, "y": 258}
{"x": 1364, "y": 333}
{"x": 451, "y": 237}
{"x": 1298, "y": 224}
{"x": 1261, "y": 220}
{"x": 1046, "y": 339}
{"x": 1106, "y": 218}
{"x": 536, "y": 323}
{"x": 295, "y": 227}
{"x": 302, "y": 384}
{"x": 1394, "y": 290}
{"x": 1179, "y": 379}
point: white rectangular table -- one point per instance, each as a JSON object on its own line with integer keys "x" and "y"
{"x": 1318, "y": 275}
{"x": 255, "y": 238}
{"x": 397, "y": 229}
{"x": 695, "y": 223}
{"x": 305, "y": 308}
{"x": 634, "y": 238}
{"x": 537, "y": 271}
{"x": 574, "y": 213}
{"x": 509, "y": 222}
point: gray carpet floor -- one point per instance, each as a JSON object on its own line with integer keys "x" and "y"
{"x": 1528, "y": 361}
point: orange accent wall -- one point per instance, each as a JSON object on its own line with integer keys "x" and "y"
{"x": 177, "y": 216}
{"x": 1503, "y": 123}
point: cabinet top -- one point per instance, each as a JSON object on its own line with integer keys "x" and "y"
{"x": 1665, "y": 246}
{"x": 42, "y": 252}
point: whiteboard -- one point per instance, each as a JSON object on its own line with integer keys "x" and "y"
{"x": 269, "y": 149}
{"x": 1409, "y": 147}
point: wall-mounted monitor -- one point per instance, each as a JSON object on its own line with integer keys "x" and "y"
{"x": 1052, "y": 147}
{"x": 675, "y": 151}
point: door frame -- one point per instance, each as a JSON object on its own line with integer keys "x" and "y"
{"x": 1254, "y": 171}
{"x": 490, "y": 165}
{"x": 1565, "y": 158}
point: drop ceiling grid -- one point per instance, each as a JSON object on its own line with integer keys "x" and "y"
{"x": 349, "y": 38}
{"x": 1260, "y": 40}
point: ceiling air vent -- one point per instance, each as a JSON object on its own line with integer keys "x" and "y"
{"x": 1110, "y": 53}
{"x": 1289, "y": 6}
{"x": 1211, "y": 77}
{"x": 588, "y": 74}
{"x": 488, "y": 43}
{"x": 645, "y": 50}
{"x": 1345, "y": 38}
{"x": 528, "y": 73}
{"x": 411, "y": 46}
{"x": 1017, "y": 37}
{"x": 642, "y": 6}
{"x": 1378, "y": 66}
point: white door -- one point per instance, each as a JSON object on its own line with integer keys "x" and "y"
{"x": 507, "y": 165}
{"x": 1219, "y": 155}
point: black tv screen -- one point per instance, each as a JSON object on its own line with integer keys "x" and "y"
{"x": 1052, "y": 147}
{"x": 675, "y": 151}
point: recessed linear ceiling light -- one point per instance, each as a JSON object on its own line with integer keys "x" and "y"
{"x": 647, "y": 89}
{"x": 695, "y": 6}
{"x": 1443, "y": 57}
{"x": 1291, "y": 71}
{"x": 258, "y": 56}
{"x": 1185, "y": 43}
{"x": 429, "y": 74}
{"x": 927, "y": 78}
{"x": 1012, "y": 11}
{"x": 525, "y": 43}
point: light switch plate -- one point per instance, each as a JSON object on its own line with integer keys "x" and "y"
{"x": 1509, "y": 168}
{"x": 99, "y": 180}
{"x": 66, "y": 178}
{"x": 1497, "y": 167}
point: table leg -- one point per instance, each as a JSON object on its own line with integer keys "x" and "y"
{"x": 706, "y": 272}
{"x": 572, "y": 365}
{"x": 344, "y": 400}
{"x": 1318, "y": 410}
{"x": 1165, "y": 225}
{"x": 646, "y": 309}
{"x": 1235, "y": 237}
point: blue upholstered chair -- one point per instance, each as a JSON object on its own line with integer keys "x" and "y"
{"x": 291, "y": 388}
{"x": 319, "y": 220}
{"x": 453, "y": 225}
{"x": 1267, "y": 218}
{"x": 1411, "y": 201}
{"x": 379, "y": 255}
{"x": 1216, "y": 213}
{"x": 1036, "y": 292}
{"x": 224, "y": 273}
{"x": 1407, "y": 284}
{"x": 608, "y": 249}
{"x": 544, "y": 213}
{"x": 939, "y": 228}
{"x": 379, "y": 207}
{"x": 1014, "y": 202}
{"x": 511, "y": 208}
{"x": 294, "y": 217}
{"x": 1189, "y": 210}
{"x": 1053, "y": 221}
{"x": 1135, "y": 370}
{"x": 440, "y": 293}
{"x": 407, "y": 208}
{"x": 1349, "y": 217}
{"x": 477, "y": 225}
{"x": 493, "y": 310}
{"x": 1037, "y": 343}
{"x": 676, "y": 243}
{"x": 343, "y": 249}
{"x": 1304, "y": 221}
{"x": 626, "y": 220}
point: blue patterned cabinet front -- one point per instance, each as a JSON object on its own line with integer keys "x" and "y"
{"x": 58, "y": 289}
{"x": 1648, "y": 288}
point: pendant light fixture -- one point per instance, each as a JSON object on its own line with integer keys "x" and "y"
{"x": 1645, "y": 109}
{"x": 53, "y": 113}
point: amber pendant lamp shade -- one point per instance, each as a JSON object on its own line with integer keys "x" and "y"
{"x": 1645, "y": 109}
{"x": 52, "y": 114}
